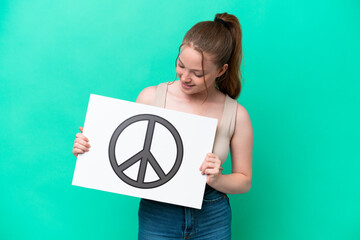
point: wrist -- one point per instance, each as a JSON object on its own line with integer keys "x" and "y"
{"x": 214, "y": 181}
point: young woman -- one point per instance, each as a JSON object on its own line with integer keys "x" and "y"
{"x": 208, "y": 67}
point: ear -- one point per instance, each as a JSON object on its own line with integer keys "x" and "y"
{"x": 223, "y": 69}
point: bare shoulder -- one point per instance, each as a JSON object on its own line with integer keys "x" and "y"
{"x": 242, "y": 114}
{"x": 243, "y": 122}
{"x": 147, "y": 95}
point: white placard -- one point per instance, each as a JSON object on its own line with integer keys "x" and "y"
{"x": 145, "y": 151}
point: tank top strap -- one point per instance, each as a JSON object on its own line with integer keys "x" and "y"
{"x": 160, "y": 95}
{"x": 229, "y": 115}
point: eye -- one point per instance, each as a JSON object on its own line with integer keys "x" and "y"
{"x": 180, "y": 65}
{"x": 199, "y": 76}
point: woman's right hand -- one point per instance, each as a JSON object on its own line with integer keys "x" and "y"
{"x": 81, "y": 143}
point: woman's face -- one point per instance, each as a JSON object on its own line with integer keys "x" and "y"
{"x": 190, "y": 72}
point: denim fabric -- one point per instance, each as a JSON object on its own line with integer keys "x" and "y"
{"x": 159, "y": 220}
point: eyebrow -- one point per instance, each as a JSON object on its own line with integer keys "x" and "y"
{"x": 194, "y": 70}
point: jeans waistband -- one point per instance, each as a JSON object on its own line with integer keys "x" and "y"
{"x": 211, "y": 193}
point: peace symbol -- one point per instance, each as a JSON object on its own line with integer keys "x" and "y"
{"x": 145, "y": 156}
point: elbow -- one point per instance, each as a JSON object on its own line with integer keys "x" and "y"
{"x": 245, "y": 186}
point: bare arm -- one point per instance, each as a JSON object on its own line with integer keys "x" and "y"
{"x": 239, "y": 181}
{"x": 147, "y": 95}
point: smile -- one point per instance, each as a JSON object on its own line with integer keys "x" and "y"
{"x": 186, "y": 86}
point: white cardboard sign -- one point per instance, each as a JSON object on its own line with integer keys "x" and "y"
{"x": 145, "y": 151}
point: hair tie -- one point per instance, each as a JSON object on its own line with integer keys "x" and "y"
{"x": 219, "y": 20}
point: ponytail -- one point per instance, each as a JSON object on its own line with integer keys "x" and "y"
{"x": 230, "y": 82}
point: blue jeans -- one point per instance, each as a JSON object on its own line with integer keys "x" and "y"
{"x": 159, "y": 220}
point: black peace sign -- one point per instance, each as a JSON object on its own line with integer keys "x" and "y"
{"x": 145, "y": 155}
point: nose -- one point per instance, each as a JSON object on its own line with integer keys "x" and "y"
{"x": 185, "y": 76}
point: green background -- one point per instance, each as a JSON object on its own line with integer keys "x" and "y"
{"x": 301, "y": 84}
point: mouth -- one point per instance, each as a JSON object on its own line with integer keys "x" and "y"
{"x": 186, "y": 86}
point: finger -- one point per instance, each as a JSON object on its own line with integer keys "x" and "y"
{"x": 203, "y": 164}
{"x": 80, "y": 135}
{"x": 82, "y": 147}
{"x": 82, "y": 142}
{"x": 215, "y": 161}
{"x": 211, "y": 156}
{"x": 81, "y": 129}
{"x": 73, "y": 152}
{"x": 77, "y": 151}
{"x": 208, "y": 166}
{"x": 208, "y": 160}
{"x": 212, "y": 171}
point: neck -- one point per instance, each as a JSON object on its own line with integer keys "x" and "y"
{"x": 200, "y": 97}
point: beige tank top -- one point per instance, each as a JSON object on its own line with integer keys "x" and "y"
{"x": 225, "y": 129}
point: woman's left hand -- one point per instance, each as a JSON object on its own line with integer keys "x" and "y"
{"x": 212, "y": 167}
